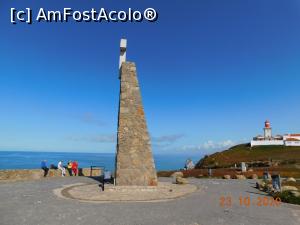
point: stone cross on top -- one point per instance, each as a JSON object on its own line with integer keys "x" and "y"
{"x": 123, "y": 46}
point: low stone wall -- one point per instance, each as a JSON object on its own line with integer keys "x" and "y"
{"x": 35, "y": 174}
{"x": 220, "y": 172}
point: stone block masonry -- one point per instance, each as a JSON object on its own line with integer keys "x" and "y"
{"x": 134, "y": 160}
{"x": 36, "y": 174}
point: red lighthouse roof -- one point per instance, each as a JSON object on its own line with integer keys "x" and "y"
{"x": 267, "y": 124}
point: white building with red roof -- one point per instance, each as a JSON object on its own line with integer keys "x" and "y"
{"x": 268, "y": 139}
{"x": 291, "y": 139}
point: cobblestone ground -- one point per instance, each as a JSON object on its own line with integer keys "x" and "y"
{"x": 33, "y": 203}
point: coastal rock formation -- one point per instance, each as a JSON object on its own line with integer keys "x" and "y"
{"x": 134, "y": 160}
{"x": 254, "y": 157}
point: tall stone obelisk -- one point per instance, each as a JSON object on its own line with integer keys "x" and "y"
{"x": 134, "y": 160}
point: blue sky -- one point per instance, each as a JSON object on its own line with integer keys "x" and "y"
{"x": 211, "y": 72}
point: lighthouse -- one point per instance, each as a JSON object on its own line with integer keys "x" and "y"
{"x": 267, "y": 130}
{"x": 268, "y": 139}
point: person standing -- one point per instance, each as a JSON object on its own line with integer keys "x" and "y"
{"x": 44, "y": 167}
{"x": 60, "y": 167}
{"x": 75, "y": 168}
{"x": 69, "y": 167}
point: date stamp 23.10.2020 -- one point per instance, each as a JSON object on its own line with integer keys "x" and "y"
{"x": 247, "y": 201}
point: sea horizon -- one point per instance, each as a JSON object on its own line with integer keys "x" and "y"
{"x": 32, "y": 159}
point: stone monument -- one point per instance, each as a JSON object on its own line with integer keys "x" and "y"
{"x": 244, "y": 167}
{"x": 134, "y": 160}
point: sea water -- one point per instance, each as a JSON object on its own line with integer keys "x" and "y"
{"x": 32, "y": 160}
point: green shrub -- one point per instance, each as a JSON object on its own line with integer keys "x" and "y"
{"x": 287, "y": 196}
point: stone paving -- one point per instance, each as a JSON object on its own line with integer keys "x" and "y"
{"x": 33, "y": 203}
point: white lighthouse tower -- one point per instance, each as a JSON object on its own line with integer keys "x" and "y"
{"x": 268, "y": 130}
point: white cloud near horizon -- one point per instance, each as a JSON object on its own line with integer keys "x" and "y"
{"x": 164, "y": 140}
{"x": 165, "y": 143}
{"x": 217, "y": 145}
{"x": 90, "y": 118}
{"x": 167, "y": 138}
{"x": 101, "y": 138}
{"x": 206, "y": 147}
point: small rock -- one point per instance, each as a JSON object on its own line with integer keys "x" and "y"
{"x": 269, "y": 188}
{"x": 290, "y": 179}
{"x": 240, "y": 177}
{"x": 180, "y": 180}
{"x": 177, "y": 174}
{"x": 226, "y": 177}
{"x": 257, "y": 185}
{"x": 295, "y": 193}
{"x": 254, "y": 176}
{"x": 289, "y": 188}
{"x": 261, "y": 185}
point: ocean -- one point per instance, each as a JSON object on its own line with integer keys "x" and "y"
{"x": 32, "y": 160}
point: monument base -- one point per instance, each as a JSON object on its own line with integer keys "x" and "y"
{"x": 164, "y": 191}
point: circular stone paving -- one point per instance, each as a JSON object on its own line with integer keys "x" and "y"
{"x": 93, "y": 192}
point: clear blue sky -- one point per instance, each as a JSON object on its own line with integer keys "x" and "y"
{"x": 211, "y": 72}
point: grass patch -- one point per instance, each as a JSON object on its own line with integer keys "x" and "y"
{"x": 258, "y": 156}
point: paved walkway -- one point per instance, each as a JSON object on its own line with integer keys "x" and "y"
{"x": 33, "y": 203}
